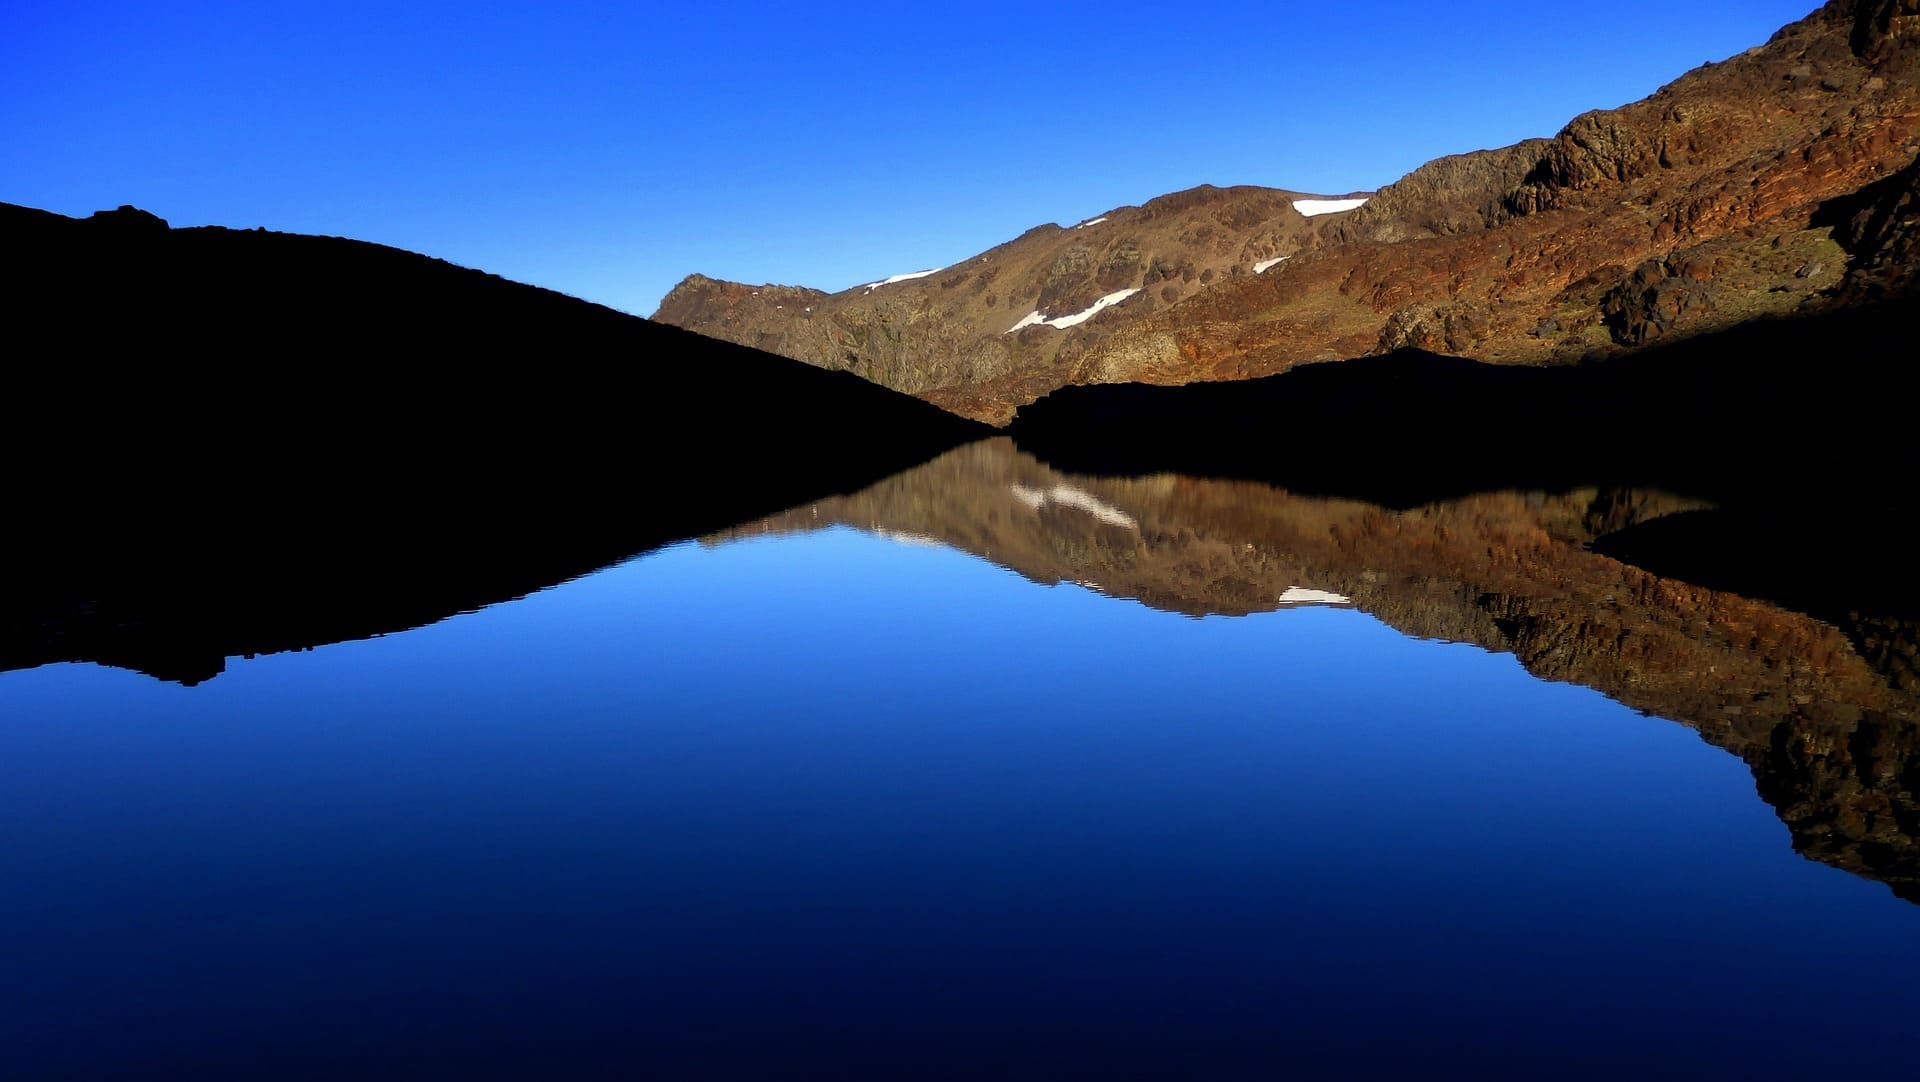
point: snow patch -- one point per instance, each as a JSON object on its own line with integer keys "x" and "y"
{"x": 1265, "y": 265}
{"x": 1303, "y": 595}
{"x": 1034, "y": 319}
{"x": 1311, "y": 207}
{"x": 1078, "y": 499}
{"x": 871, "y": 286}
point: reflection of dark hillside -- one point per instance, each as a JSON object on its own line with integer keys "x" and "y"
{"x": 222, "y": 442}
{"x": 1822, "y": 403}
{"x": 1831, "y": 730}
{"x": 1829, "y": 567}
{"x": 178, "y": 615}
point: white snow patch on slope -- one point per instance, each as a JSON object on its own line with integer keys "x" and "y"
{"x": 1311, "y": 207}
{"x": 871, "y": 286}
{"x": 1078, "y": 499}
{"x": 1034, "y": 319}
{"x": 1090, "y": 221}
{"x": 1265, "y": 265}
{"x": 1303, "y": 595}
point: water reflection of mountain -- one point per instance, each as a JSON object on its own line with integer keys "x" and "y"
{"x": 1825, "y": 713}
{"x": 1815, "y": 691}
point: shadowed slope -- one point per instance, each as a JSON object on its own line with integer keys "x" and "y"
{"x": 1822, "y": 402}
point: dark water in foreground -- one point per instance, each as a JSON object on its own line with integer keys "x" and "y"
{"x": 831, "y": 803}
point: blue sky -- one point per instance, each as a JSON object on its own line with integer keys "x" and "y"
{"x": 608, "y": 149}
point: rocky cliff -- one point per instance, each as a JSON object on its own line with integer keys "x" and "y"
{"x": 1764, "y": 186}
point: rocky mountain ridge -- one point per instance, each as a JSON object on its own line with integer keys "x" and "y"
{"x": 1007, "y": 312}
{"x": 1772, "y": 184}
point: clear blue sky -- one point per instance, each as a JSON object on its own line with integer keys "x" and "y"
{"x": 607, "y": 149}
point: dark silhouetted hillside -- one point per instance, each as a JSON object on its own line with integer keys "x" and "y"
{"x": 220, "y": 442}
{"x": 1816, "y": 404}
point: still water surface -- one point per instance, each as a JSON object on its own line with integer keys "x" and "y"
{"x": 830, "y": 803}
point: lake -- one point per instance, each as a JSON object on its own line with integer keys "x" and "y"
{"x": 994, "y": 771}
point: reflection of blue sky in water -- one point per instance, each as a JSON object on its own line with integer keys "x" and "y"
{"x": 856, "y": 803}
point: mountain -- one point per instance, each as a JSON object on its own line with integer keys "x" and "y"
{"x": 1003, "y": 317}
{"x": 1778, "y": 183}
{"x": 1781, "y": 636}
{"x": 222, "y": 441}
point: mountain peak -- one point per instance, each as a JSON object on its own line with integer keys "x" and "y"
{"x": 1015, "y": 307}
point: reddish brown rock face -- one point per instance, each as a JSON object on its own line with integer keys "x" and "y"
{"x": 986, "y": 319}
{"x": 1714, "y": 202}
{"x": 1883, "y": 27}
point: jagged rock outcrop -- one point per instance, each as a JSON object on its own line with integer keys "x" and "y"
{"x": 1882, "y": 28}
{"x": 1712, "y": 203}
{"x": 1656, "y": 298}
{"x": 1460, "y": 193}
{"x": 731, "y": 306}
{"x": 1880, "y": 229}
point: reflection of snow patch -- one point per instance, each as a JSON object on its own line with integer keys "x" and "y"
{"x": 871, "y": 286}
{"x": 1302, "y": 595}
{"x": 1266, "y": 264}
{"x": 903, "y": 537}
{"x": 1088, "y": 222}
{"x": 1078, "y": 499}
{"x": 1311, "y": 207}
{"x": 1086, "y": 501}
{"x": 1034, "y": 319}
